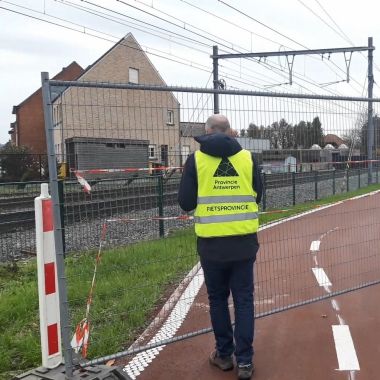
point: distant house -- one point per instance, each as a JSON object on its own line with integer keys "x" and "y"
{"x": 29, "y": 127}
{"x": 120, "y": 117}
{"x": 332, "y": 139}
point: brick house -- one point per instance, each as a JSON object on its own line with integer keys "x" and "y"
{"x": 29, "y": 127}
{"x": 114, "y": 120}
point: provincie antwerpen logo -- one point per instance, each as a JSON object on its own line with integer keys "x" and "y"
{"x": 225, "y": 169}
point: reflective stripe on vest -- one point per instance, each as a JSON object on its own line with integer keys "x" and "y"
{"x": 226, "y": 199}
{"x": 226, "y": 204}
{"x": 225, "y": 218}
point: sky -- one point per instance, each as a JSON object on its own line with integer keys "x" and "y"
{"x": 179, "y": 42}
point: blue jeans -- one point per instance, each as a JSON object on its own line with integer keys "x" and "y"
{"x": 236, "y": 277}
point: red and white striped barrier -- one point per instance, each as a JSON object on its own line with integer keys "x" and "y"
{"x": 50, "y": 328}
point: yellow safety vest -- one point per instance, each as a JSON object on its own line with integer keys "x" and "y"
{"x": 226, "y": 204}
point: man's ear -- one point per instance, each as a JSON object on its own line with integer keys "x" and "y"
{"x": 232, "y": 132}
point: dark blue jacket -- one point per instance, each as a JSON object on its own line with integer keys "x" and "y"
{"x": 229, "y": 248}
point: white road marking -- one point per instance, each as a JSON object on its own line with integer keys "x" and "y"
{"x": 133, "y": 367}
{"x": 328, "y": 232}
{"x": 341, "y": 320}
{"x": 345, "y": 349}
{"x": 321, "y": 277}
{"x": 168, "y": 329}
{"x": 314, "y": 247}
{"x": 335, "y": 305}
{"x": 352, "y": 375}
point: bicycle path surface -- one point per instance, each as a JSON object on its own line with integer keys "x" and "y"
{"x": 328, "y": 250}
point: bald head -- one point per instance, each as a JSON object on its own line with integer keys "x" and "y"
{"x": 217, "y": 123}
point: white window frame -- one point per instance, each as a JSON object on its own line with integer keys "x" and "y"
{"x": 133, "y": 75}
{"x": 57, "y": 115}
{"x": 170, "y": 117}
{"x": 154, "y": 147}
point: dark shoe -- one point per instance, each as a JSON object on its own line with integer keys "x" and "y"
{"x": 225, "y": 364}
{"x": 245, "y": 371}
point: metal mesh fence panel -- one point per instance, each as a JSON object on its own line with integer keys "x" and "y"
{"x": 17, "y": 234}
{"x": 124, "y": 148}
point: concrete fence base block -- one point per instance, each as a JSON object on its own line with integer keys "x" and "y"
{"x": 90, "y": 373}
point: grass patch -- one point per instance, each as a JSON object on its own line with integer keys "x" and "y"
{"x": 132, "y": 282}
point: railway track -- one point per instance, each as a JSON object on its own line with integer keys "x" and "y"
{"x": 104, "y": 202}
{"x": 90, "y": 209}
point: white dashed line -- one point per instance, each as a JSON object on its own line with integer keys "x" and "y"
{"x": 341, "y": 320}
{"x": 345, "y": 349}
{"x": 321, "y": 277}
{"x": 335, "y": 305}
{"x": 314, "y": 247}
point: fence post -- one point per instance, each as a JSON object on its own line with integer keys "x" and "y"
{"x": 160, "y": 202}
{"x": 40, "y": 165}
{"x": 62, "y": 213}
{"x": 348, "y": 180}
{"x": 294, "y": 187}
{"x": 53, "y": 179}
{"x": 47, "y": 281}
{"x": 334, "y": 182}
{"x": 316, "y": 184}
{"x": 264, "y": 191}
{"x": 377, "y": 174}
{"x": 359, "y": 184}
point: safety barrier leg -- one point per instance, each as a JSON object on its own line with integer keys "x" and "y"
{"x": 47, "y": 281}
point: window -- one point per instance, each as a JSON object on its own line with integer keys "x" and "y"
{"x": 133, "y": 75}
{"x": 152, "y": 151}
{"x": 170, "y": 117}
{"x": 57, "y": 115}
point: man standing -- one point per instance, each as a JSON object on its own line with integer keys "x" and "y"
{"x": 221, "y": 181}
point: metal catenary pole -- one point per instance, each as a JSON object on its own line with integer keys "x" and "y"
{"x": 215, "y": 73}
{"x": 53, "y": 179}
{"x": 370, "y": 108}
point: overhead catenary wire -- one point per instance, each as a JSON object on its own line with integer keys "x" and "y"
{"x": 268, "y": 66}
{"x": 123, "y": 43}
{"x": 277, "y": 32}
{"x": 185, "y": 23}
{"x": 85, "y": 31}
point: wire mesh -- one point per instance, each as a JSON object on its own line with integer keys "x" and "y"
{"x": 126, "y": 146}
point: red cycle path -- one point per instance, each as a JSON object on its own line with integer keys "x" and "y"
{"x": 299, "y": 343}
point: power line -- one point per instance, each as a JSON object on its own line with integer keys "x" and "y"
{"x": 190, "y": 64}
{"x": 85, "y": 31}
{"x": 339, "y": 28}
{"x": 326, "y": 23}
{"x": 123, "y": 2}
{"x": 214, "y": 41}
{"x": 344, "y": 34}
{"x": 277, "y": 32}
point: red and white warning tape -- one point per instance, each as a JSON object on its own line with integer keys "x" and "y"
{"x": 126, "y": 170}
{"x": 81, "y": 338}
{"x": 179, "y": 217}
{"x": 79, "y": 174}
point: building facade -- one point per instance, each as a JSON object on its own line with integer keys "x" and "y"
{"x": 121, "y": 114}
{"x": 29, "y": 127}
